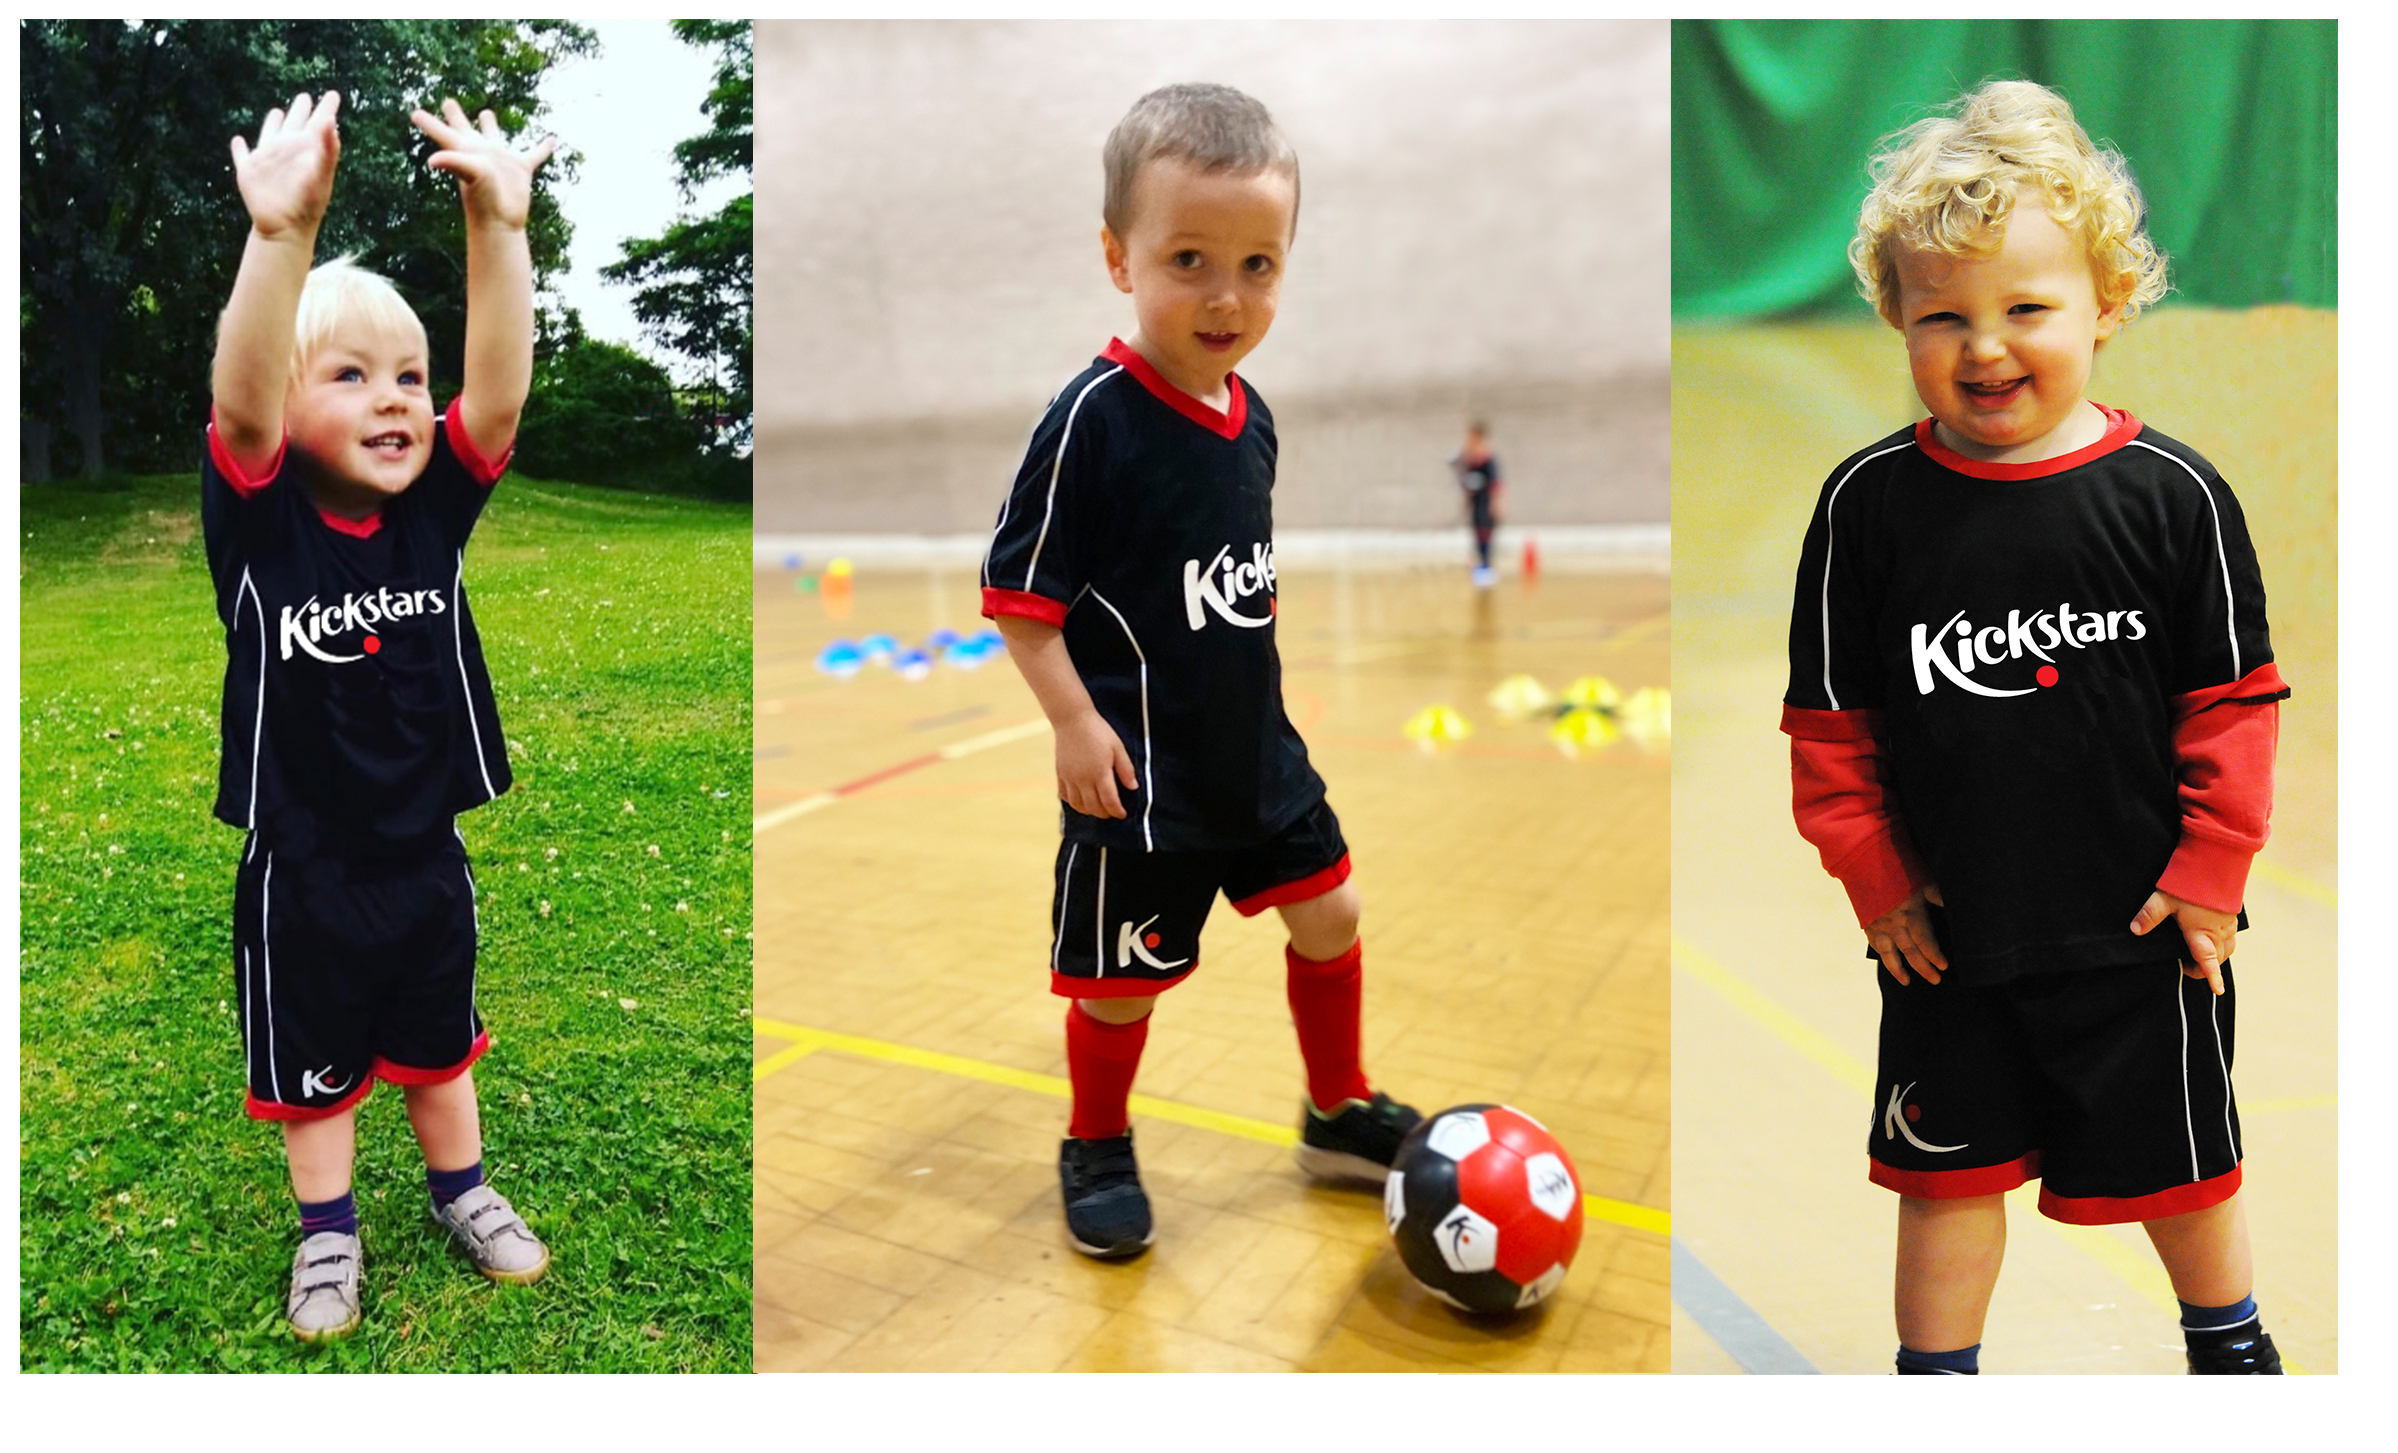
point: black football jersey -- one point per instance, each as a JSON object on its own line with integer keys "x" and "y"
{"x": 1142, "y": 523}
{"x": 357, "y": 713}
{"x": 2023, "y": 629}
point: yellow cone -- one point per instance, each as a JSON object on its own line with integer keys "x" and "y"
{"x": 1648, "y": 718}
{"x": 838, "y": 568}
{"x": 1437, "y": 724}
{"x": 1596, "y": 693}
{"x": 1584, "y": 730}
{"x": 1518, "y": 697}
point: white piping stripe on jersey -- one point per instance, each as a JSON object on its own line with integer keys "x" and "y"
{"x": 258, "y": 720}
{"x": 1055, "y": 466}
{"x": 1823, "y": 607}
{"x": 2181, "y": 1002}
{"x": 2230, "y": 626}
{"x": 1065, "y": 890}
{"x": 266, "y": 959}
{"x": 1148, "y": 779}
{"x": 458, "y": 642}
{"x": 2230, "y": 1142}
{"x": 1099, "y": 921}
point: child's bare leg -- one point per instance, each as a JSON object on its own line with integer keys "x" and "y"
{"x": 1119, "y": 1011}
{"x": 1325, "y": 926}
{"x": 2206, "y": 1253}
{"x": 1948, "y": 1257}
{"x": 449, "y": 1129}
{"x": 321, "y": 1153}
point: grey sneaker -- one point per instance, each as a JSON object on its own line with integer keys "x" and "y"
{"x": 488, "y": 1229}
{"x": 323, "y": 1303}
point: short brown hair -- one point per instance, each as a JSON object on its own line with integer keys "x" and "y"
{"x": 1214, "y": 128}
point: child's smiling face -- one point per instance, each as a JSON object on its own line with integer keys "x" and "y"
{"x": 1203, "y": 259}
{"x": 361, "y": 414}
{"x": 2001, "y": 345}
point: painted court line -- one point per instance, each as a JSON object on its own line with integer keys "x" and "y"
{"x": 768, "y": 821}
{"x": 1722, "y": 1315}
{"x": 804, "y": 1041}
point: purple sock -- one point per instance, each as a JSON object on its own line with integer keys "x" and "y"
{"x": 339, "y": 1214}
{"x": 449, "y": 1185}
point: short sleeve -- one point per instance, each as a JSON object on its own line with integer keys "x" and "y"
{"x": 1034, "y": 567}
{"x": 1833, "y": 663}
{"x": 2219, "y": 607}
{"x": 457, "y": 482}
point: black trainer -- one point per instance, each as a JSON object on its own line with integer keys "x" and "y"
{"x": 1358, "y": 1143}
{"x": 1107, "y": 1212}
{"x": 2250, "y": 1353}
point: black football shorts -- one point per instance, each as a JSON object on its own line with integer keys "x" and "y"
{"x": 2110, "y": 1086}
{"x": 1125, "y": 924}
{"x": 349, "y": 972}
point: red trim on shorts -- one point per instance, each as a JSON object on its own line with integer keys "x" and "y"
{"x": 222, "y": 457}
{"x": 480, "y": 468}
{"x": 1954, "y": 1185}
{"x": 2117, "y": 1210}
{"x": 1226, "y": 424}
{"x": 1299, "y": 890}
{"x": 258, "y": 1109}
{"x": 2122, "y": 428}
{"x": 997, "y": 603}
{"x": 412, "y": 1075}
{"x": 1075, "y": 988}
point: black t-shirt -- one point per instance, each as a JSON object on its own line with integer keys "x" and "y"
{"x": 2024, "y": 629}
{"x": 1476, "y": 478}
{"x": 1142, "y": 523}
{"x": 357, "y": 714}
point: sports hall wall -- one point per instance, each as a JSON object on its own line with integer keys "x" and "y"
{"x": 1482, "y": 230}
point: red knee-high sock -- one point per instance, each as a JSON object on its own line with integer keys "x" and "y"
{"x": 1100, "y": 1060}
{"x": 1325, "y": 996}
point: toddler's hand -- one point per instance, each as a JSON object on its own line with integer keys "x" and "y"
{"x": 287, "y": 180}
{"x": 494, "y": 178}
{"x": 1903, "y": 936}
{"x": 2207, "y": 932}
{"x": 1091, "y": 760}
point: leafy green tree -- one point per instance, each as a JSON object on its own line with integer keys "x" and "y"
{"x": 131, "y": 227}
{"x": 692, "y": 283}
{"x": 601, "y": 413}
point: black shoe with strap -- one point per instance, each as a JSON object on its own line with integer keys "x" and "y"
{"x": 1357, "y": 1142}
{"x": 1107, "y": 1212}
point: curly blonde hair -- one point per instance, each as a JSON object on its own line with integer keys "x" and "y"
{"x": 1949, "y": 182}
{"x": 340, "y": 294}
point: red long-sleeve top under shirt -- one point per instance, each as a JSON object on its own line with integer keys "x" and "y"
{"x": 2223, "y": 746}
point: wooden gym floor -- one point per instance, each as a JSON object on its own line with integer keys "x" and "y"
{"x": 910, "y": 1059}
{"x": 1774, "y": 1006}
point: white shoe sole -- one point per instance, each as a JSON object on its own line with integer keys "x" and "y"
{"x": 1340, "y": 1165}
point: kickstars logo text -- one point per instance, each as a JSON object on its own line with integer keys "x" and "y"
{"x": 1954, "y": 650}
{"x": 316, "y": 628}
{"x": 1226, "y": 583}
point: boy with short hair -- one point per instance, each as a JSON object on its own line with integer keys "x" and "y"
{"x": 2033, "y": 708}
{"x": 1478, "y": 476}
{"x": 358, "y": 717}
{"x": 1132, "y": 575}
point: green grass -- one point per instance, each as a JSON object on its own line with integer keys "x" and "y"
{"x": 156, "y": 1224}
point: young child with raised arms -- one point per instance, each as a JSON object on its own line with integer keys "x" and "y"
{"x": 358, "y": 718}
{"x": 2032, "y": 711}
{"x": 1132, "y": 575}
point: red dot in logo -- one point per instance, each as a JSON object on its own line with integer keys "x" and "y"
{"x": 373, "y": 645}
{"x": 2046, "y": 676}
{"x": 1914, "y": 1113}
{"x": 1150, "y": 939}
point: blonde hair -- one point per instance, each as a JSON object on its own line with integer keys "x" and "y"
{"x": 340, "y": 294}
{"x": 1948, "y": 183}
{"x": 1214, "y": 128}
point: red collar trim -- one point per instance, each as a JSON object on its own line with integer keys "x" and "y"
{"x": 343, "y": 524}
{"x": 2122, "y": 428}
{"x": 1228, "y": 424}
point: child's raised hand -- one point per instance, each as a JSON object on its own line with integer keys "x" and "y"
{"x": 2206, "y": 932}
{"x": 286, "y": 181}
{"x": 1904, "y": 937}
{"x": 1091, "y": 760}
{"x": 494, "y": 179}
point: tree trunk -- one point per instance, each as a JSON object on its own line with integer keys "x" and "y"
{"x": 86, "y": 419}
{"x": 33, "y": 449}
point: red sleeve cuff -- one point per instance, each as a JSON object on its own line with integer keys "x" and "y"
{"x": 997, "y": 603}
{"x": 2209, "y": 873}
{"x": 2254, "y": 689}
{"x": 1879, "y": 875}
{"x": 482, "y": 469}
{"x": 244, "y": 483}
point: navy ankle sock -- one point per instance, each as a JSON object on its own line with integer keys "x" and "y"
{"x": 339, "y": 1214}
{"x": 2204, "y": 1327}
{"x": 449, "y": 1185}
{"x": 1964, "y": 1362}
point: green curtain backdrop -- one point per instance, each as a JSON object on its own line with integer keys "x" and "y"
{"x": 2231, "y": 127}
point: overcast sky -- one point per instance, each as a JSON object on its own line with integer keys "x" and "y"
{"x": 624, "y": 110}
